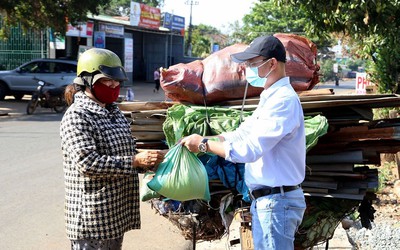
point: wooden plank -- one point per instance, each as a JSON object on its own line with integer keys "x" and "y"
{"x": 368, "y": 101}
{"x": 354, "y": 190}
{"x": 148, "y": 135}
{"x": 157, "y": 113}
{"x": 332, "y": 167}
{"x": 148, "y": 121}
{"x": 362, "y": 133}
{"x": 340, "y": 196}
{"x": 315, "y": 190}
{"x": 340, "y": 174}
{"x": 317, "y": 184}
{"x": 140, "y": 106}
{"x": 158, "y": 144}
{"x": 315, "y": 92}
{"x": 140, "y": 128}
{"x": 340, "y": 157}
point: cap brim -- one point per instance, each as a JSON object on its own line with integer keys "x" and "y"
{"x": 79, "y": 81}
{"x": 98, "y": 76}
{"x": 243, "y": 56}
{"x": 116, "y": 73}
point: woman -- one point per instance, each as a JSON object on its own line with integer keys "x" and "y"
{"x": 156, "y": 76}
{"x": 100, "y": 161}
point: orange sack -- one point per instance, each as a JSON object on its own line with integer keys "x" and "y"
{"x": 217, "y": 78}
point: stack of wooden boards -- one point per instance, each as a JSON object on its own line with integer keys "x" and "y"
{"x": 339, "y": 166}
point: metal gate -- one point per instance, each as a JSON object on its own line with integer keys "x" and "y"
{"x": 22, "y": 46}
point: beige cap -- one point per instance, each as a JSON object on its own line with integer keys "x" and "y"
{"x": 79, "y": 80}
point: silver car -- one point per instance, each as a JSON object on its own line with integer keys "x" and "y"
{"x": 24, "y": 79}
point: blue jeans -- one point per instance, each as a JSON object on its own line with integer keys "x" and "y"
{"x": 275, "y": 219}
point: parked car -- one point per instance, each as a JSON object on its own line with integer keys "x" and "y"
{"x": 24, "y": 79}
{"x": 352, "y": 74}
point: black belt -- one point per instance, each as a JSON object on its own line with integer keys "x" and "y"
{"x": 257, "y": 193}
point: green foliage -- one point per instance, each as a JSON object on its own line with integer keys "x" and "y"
{"x": 203, "y": 36}
{"x": 123, "y": 7}
{"x": 267, "y": 18}
{"x": 383, "y": 113}
{"x": 326, "y": 70}
{"x": 373, "y": 26}
{"x": 386, "y": 69}
{"x": 41, "y": 14}
{"x": 385, "y": 174}
{"x": 354, "y": 64}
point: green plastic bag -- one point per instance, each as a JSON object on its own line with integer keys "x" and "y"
{"x": 145, "y": 192}
{"x": 181, "y": 176}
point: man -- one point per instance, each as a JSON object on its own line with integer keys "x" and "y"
{"x": 272, "y": 144}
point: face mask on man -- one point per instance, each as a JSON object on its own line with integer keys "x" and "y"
{"x": 254, "y": 79}
{"x": 105, "y": 94}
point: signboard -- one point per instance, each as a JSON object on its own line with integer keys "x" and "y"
{"x": 112, "y": 30}
{"x": 145, "y": 16}
{"x": 173, "y": 22}
{"x": 56, "y": 42}
{"x": 335, "y": 68}
{"x": 361, "y": 83}
{"x": 89, "y": 28}
{"x": 79, "y": 30}
{"x": 215, "y": 48}
{"x": 128, "y": 55}
{"x": 99, "y": 39}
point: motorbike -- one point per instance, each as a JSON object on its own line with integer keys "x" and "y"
{"x": 51, "y": 98}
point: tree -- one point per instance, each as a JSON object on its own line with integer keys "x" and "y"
{"x": 267, "y": 18}
{"x": 40, "y": 14}
{"x": 373, "y": 26}
{"x": 203, "y": 36}
{"x": 123, "y": 7}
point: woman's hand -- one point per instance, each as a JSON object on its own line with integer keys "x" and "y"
{"x": 148, "y": 158}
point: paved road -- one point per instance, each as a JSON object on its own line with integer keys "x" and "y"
{"x": 31, "y": 180}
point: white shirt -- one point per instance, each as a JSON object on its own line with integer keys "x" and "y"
{"x": 272, "y": 140}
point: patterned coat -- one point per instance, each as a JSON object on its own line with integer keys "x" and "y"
{"x": 101, "y": 186}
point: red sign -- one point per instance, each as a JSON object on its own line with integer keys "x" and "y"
{"x": 145, "y": 16}
{"x": 150, "y": 17}
{"x": 361, "y": 83}
{"x": 89, "y": 28}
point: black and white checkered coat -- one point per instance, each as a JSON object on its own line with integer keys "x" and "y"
{"x": 101, "y": 187}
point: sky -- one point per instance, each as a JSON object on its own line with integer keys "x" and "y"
{"x": 216, "y": 13}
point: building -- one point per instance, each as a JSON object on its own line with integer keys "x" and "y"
{"x": 142, "y": 46}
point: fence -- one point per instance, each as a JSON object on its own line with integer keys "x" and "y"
{"x": 21, "y": 46}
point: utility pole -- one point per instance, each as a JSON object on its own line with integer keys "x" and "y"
{"x": 189, "y": 41}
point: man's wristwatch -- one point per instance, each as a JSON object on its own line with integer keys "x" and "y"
{"x": 203, "y": 145}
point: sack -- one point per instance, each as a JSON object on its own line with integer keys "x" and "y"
{"x": 181, "y": 176}
{"x": 217, "y": 78}
{"x": 145, "y": 192}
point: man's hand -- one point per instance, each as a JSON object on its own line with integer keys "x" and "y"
{"x": 192, "y": 142}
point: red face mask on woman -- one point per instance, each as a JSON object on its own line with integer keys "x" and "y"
{"x": 105, "y": 94}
